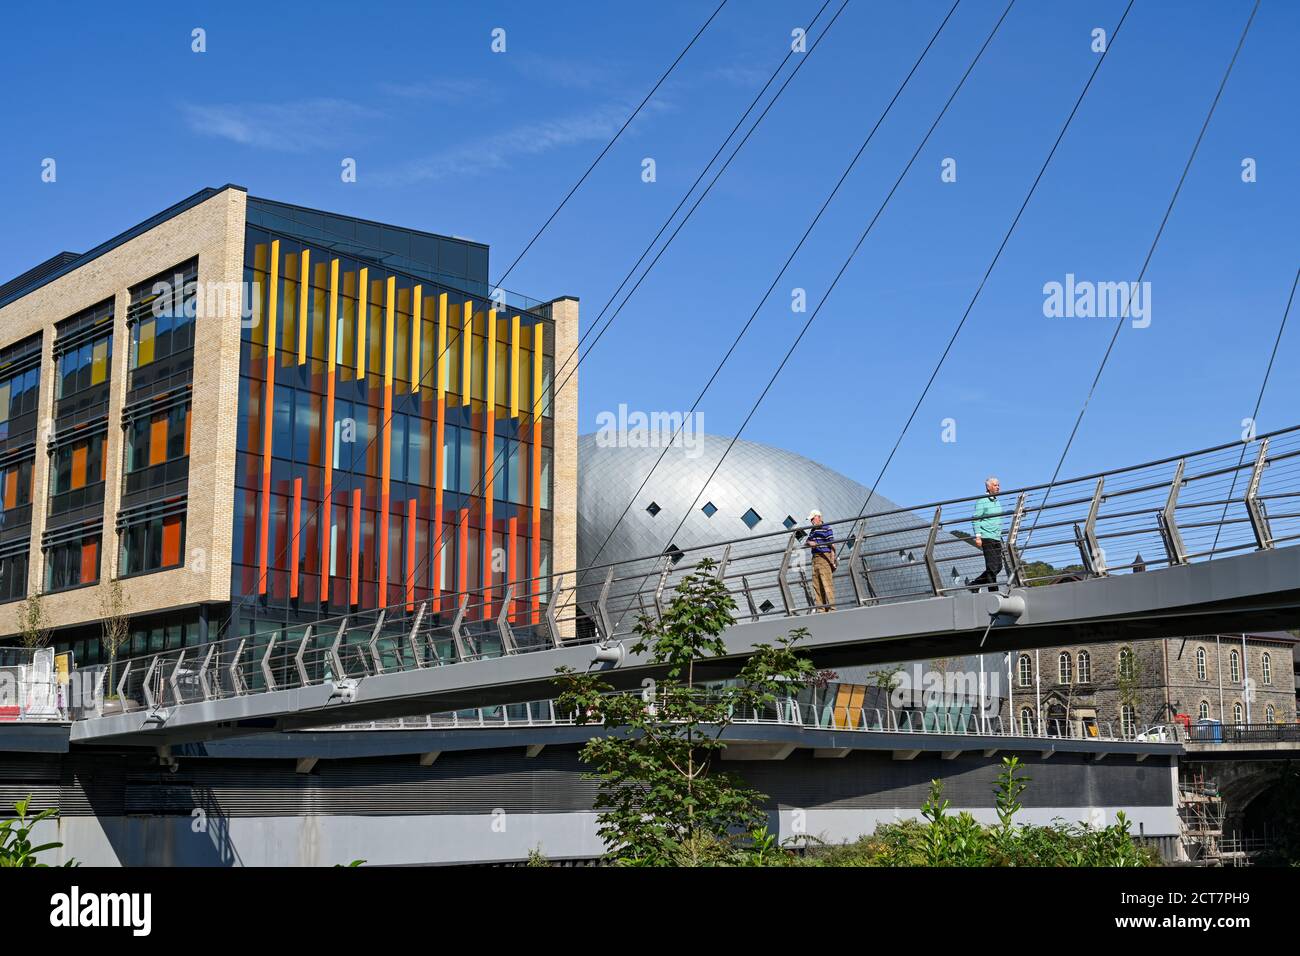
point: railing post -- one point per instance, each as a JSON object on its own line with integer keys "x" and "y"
{"x": 374, "y": 641}
{"x": 174, "y": 680}
{"x": 1089, "y": 549}
{"x": 663, "y": 582}
{"x": 121, "y": 681}
{"x": 602, "y": 607}
{"x": 722, "y": 564}
{"x": 148, "y": 678}
{"x": 203, "y": 672}
{"x": 503, "y": 626}
{"x": 237, "y": 683}
{"x": 298, "y": 657}
{"x": 936, "y": 583}
{"x": 749, "y": 597}
{"x": 860, "y": 592}
{"x": 456, "y": 635}
{"x": 786, "y": 597}
{"x": 553, "y": 609}
{"x": 266, "y": 661}
{"x": 339, "y": 672}
{"x": 415, "y": 629}
{"x": 1169, "y": 521}
{"x": 1013, "y": 556}
{"x": 1254, "y": 507}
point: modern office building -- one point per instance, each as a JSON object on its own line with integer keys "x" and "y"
{"x": 247, "y": 411}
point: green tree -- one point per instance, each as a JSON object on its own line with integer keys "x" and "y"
{"x": 15, "y": 837}
{"x": 116, "y": 625}
{"x": 661, "y": 800}
{"x": 34, "y": 622}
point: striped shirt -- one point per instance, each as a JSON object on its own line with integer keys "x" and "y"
{"x": 822, "y": 539}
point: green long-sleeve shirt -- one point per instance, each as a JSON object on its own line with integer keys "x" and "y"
{"x": 988, "y": 518}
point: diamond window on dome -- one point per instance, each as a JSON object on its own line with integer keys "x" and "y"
{"x": 766, "y": 606}
{"x": 751, "y": 519}
{"x": 789, "y": 522}
{"x": 709, "y": 509}
{"x": 674, "y": 553}
{"x": 653, "y": 508}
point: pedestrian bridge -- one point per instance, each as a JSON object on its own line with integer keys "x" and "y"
{"x": 1195, "y": 543}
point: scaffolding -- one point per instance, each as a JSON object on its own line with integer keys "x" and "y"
{"x": 1200, "y": 820}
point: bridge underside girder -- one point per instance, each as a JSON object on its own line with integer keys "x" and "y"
{"x": 1254, "y": 591}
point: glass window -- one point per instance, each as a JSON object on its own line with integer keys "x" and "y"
{"x": 1085, "y": 667}
{"x": 1204, "y": 711}
{"x": 1026, "y": 722}
{"x": 1266, "y": 668}
{"x": 13, "y": 577}
{"x": 1200, "y": 663}
{"x": 72, "y": 563}
{"x": 1025, "y": 671}
{"x": 1128, "y": 720}
{"x": 1064, "y": 668}
{"x": 153, "y": 545}
{"x": 1234, "y": 666}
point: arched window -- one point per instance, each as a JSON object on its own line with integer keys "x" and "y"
{"x": 1266, "y": 666}
{"x": 1204, "y": 712}
{"x": 1065, "y": 668}
{"x": 1234, "y": 667}
{"x": 1025, "y": 670}
{"x": 1237, "y": 714}
{"x": 1126, "y": 663}
{"x": 1026, "y": 722}
{"x": 1270, "y": 713}
{"x": 1085, "y": 667}
{"x": 1127, "y": 721}
{"x": 1200, "y": 664}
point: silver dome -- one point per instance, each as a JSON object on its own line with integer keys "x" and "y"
{"x": 777, "y": 486}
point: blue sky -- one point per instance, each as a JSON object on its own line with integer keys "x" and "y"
{"x": 451, "y": 137}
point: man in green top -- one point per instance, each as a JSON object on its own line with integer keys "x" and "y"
{"x": 988, "y": 534}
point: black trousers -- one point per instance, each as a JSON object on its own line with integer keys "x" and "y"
{"x": 992, "y": 564}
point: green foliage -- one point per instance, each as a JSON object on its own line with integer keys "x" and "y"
{"x": 1039, "y": 573}
{"x": 15, "y": 837}
{"x": 661, "y": 800}
{"x": 948, "y": 840}
{"x": 537, "y": 858}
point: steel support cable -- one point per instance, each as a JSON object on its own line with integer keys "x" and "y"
{"x": 1128, "y": 303}
{"x": 843, "y": 268}
{"x": 435, "y": 365}
{"x": 786, "y": 265}
{"x": 685, "y": 219}
{"x": 601, "y": 155}
{"x": 687, "y": 194}
{"x": 1114, "y": 35}
{"x": 1259, "y": 399}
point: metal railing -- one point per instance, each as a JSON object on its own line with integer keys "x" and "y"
{"x": 943, "y": 720}
{"x": 1215, "y": 733}
{"x": 1220, "y": 501}
{"x": 29, "y": 687}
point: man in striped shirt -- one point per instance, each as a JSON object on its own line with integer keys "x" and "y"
{"x": 822, "y": 542}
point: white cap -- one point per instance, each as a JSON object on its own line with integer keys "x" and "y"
{"x": 814, "y": 514}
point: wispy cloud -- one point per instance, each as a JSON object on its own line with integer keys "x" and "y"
{"x": 749, "y": 77}
{"x": 562, "y": 72}
{"x": 438, "y": 91}
{"x": 499, "y": 151}
{"x": 288, "y": 127}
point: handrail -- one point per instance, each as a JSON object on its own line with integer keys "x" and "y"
{"x": 1139, "y": 512}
